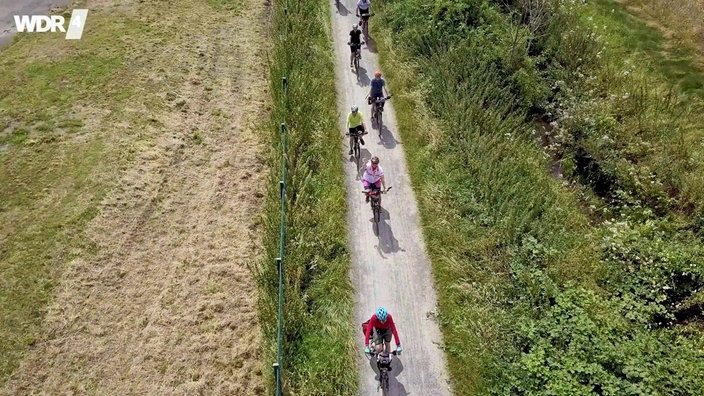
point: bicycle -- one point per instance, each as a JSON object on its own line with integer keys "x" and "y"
{"x": 357, "y": 56}
{"x": 364, "y": 23}
{"x": 383, "y": 364}
{"x": 375, "y": 201}
{"x": 356, "y": 150}
{"x": 378, "y": 111}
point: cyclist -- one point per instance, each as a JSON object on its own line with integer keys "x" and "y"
{"x": 355, "y": 126}
{"x": 363, "y": 10}
{"x": 383, "y": 325}
{"x": 373, "y": 176}
{"x": 355, "y": 42}
{"x": 377, "y": 90}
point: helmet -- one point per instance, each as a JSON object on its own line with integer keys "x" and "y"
{"x": 354, "y": 26}
{"x": 381, "y": 314}
{"x": 375, "y": 161}
{"x": 377, "y": 73}
{"x": 354, "y": 108}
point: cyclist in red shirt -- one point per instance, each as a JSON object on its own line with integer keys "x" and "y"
{"x": 383, "y": 325}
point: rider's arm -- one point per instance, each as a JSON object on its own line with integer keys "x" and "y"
{"x": 391, "y": 320}
{"x": 370, "y": 326}
{"x": 383, "y": 185}
{"x": 348, "y": 120}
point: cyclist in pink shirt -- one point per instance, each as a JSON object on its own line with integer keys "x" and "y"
{"x": 373, "y": 177}
{"x": 383, "y": 325}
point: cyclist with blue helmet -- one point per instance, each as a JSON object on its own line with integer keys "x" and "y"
{"x": 383, "y": 325}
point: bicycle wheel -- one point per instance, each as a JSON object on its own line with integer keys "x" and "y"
{"x": 378, "y": 121}
{"x": 384, "y": 382}
{"x": 377, "y": 214}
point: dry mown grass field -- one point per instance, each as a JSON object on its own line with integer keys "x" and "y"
{"x": 682, "y": 20}
{"x": 152, "y": 293}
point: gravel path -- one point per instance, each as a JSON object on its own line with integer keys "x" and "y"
{"x": 392, "y": 268}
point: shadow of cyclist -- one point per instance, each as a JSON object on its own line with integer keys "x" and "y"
{"x": 395, "y": 387}
{"x": 386, "y": 138}
{"x": 387, "y": 242}
{"x": 364, "y": 157}
{"x": 362, "y": 77}
{"x": 371, "y": 46}
{"x": 341, "y": 9}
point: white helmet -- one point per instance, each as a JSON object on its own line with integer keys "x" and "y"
{"x": 355, "y": 26}
{"x": 354, "y": 108}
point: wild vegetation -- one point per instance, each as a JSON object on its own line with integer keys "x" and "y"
{"x": 318, "y": 349}
{"x": 584, "y": 280}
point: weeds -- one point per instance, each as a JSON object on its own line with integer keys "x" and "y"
{"x": 539, "y": 294}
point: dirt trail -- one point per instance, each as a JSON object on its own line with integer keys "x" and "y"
{"x": 168, "y": 306}
{"x": 391, "y": 269}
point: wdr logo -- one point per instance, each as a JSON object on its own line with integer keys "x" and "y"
{"x": 44, "y": 23}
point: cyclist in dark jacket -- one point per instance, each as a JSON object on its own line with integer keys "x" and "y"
{"x": 355, "y": 41}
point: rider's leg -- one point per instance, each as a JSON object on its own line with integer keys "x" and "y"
{"x": 366, "y": 188}
{"x": 378, "y": 341}
{"x": 360, "y": 129}
{"x": 378, "y": 187}
{"x": 385, "y": 340}
{"x": 374, "y": 97}
{"x": 351, "y": 131}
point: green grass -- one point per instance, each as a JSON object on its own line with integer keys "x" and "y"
{"x": 488, "y": 194}
{"x": 318, "y": 356}
{"x": 635, "y": 39}
{"x": 63, "y": 153}
{"x": 40, "y": 244}
{"x": 549, "y": 286}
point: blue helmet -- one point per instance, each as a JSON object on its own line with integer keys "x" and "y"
{"x": 381, "y": 314}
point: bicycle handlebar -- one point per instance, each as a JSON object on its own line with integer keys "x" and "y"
{"x": 373, "y": 353}
{"x": 381, "y": 191}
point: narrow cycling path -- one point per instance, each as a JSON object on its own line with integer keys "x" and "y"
{"x": 391, "y": 269}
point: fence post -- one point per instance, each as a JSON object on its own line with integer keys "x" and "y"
{"x": 280, "y": 259}
{"x": 277, "y": 365}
